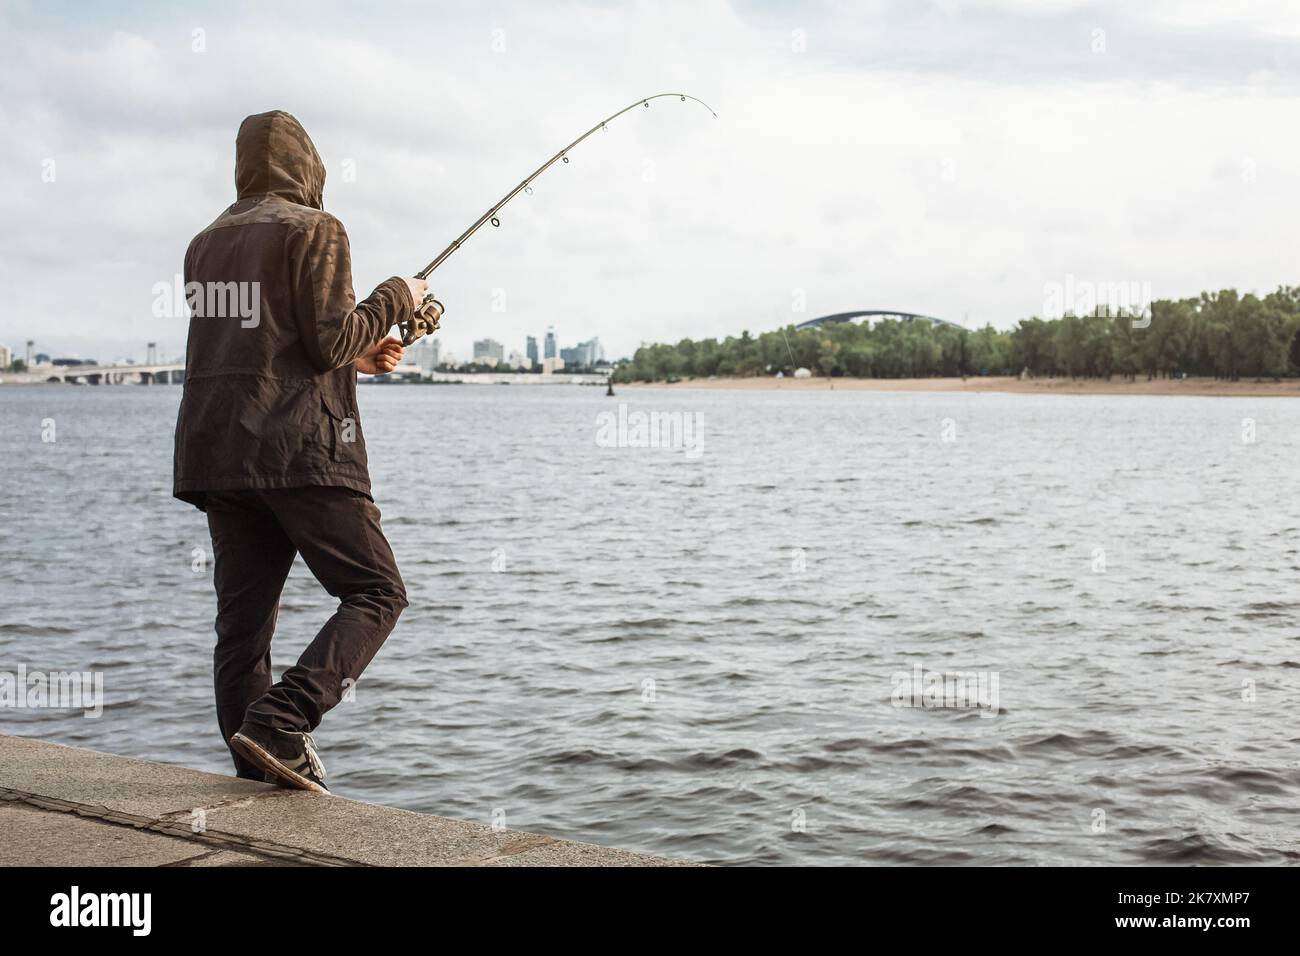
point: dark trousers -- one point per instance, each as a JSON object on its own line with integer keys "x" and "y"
{"x": 255, "y": 536}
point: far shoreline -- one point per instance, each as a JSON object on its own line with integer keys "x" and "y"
{"x": 1005, "y": 384}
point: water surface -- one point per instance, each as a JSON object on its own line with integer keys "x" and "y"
{"x": 695, "y": 654}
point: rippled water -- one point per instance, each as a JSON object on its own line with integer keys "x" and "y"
{"x": 696, "y": 655}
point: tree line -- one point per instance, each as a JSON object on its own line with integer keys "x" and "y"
{"x": 1221, "y": 334}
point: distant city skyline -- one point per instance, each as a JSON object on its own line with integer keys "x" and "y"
{"x": 583, "y": 354}
{"x": 427, "y": 352}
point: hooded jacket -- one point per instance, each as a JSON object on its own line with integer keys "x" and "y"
{"x": 270, "y": 396}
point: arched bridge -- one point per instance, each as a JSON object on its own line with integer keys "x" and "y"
{"x": 872, "y": 313}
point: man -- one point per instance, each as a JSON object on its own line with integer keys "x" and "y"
{"x": 269, "y": 444}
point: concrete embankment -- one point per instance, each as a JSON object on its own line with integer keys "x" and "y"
{"x": 64, "y": 806}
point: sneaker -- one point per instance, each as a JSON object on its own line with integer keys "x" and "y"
{"x": 286, "y": 757}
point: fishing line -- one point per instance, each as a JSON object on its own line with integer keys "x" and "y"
{"x": 793, "y": 364}
{"x": 429, "y": 311}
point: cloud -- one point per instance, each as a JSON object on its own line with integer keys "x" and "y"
{"x": 944, "y": 158}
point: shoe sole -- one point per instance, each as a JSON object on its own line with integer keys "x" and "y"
{"x": 251, "y": 750}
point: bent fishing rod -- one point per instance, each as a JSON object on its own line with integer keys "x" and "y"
{"x": 429, "y": 312}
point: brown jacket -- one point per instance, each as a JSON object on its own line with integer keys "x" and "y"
{"x": 270, "y": 391}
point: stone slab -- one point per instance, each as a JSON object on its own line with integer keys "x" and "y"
{"x": 63, "y": 801}
{"x": 33, "y": 837}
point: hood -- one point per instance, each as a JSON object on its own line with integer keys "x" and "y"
{"x": 275, "y": 156}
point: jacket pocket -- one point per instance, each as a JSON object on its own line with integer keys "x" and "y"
{"x": 344, "y": 431}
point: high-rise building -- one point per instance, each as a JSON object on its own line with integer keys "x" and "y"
{"x": 549, "y": 351}
{"x": 6, "y": 357}
{"x": 426, "y": 353}
{"x": 489, "y": 349}
{"x": 584, "y": 354}
{"x": 533, "y": 357}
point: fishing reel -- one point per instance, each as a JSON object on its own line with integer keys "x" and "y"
{"x": 424, "y": 321}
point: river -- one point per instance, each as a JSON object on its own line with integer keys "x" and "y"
{"x": 734, "y": 649}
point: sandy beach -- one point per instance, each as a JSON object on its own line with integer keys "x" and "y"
{"x": 1041, "y": 386}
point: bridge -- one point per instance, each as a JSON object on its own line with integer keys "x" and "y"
{"x": 170, "y": 373}
{"x": 839, "y": 317}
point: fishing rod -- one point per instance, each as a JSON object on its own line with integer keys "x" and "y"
{"x": 429, "y": 312}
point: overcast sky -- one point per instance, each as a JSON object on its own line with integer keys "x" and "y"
{"x": 948, "y": 158}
